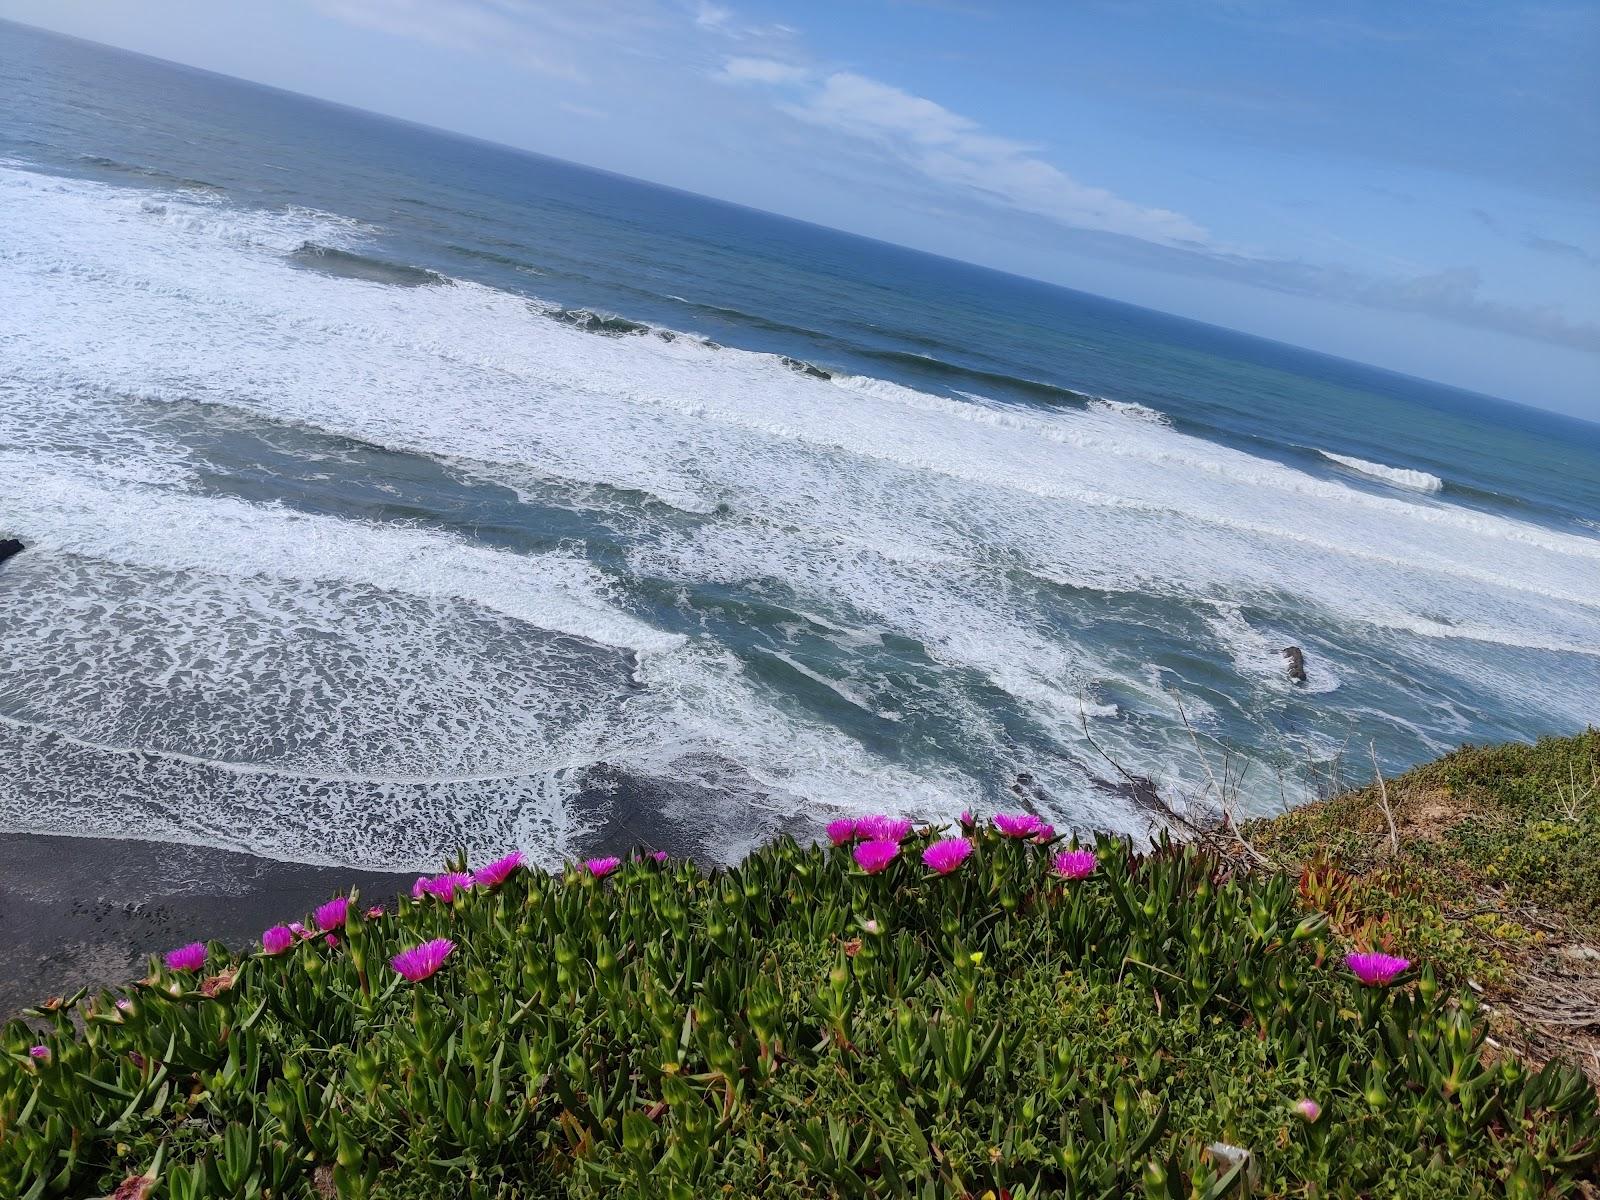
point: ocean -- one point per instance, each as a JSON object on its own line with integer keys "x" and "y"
{"x": 387, "y": 492}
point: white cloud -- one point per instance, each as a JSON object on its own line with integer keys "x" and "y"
{"x": 761, "y": 70}
{"x": 712, "y": 16}
{"x": 583, "y": 110}
{"x": 955, "y": 151}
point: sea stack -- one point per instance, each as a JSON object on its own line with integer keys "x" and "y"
{"x": 1297, "y": 663}
{"x": 8, "y": 547}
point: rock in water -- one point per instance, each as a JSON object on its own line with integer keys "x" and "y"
{"x": 1297, "y": 663}
{"x": 8, "y": 547}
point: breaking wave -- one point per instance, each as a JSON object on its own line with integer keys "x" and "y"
{"x": 1403, "y": 477}
{"x": 852, "y": 588}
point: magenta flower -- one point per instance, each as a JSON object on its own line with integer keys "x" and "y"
{"x": 495, "y": 873}
{"x": 841, "y": 831}
{"x": 333, "y": 914}
{"x": 947, "y": 854}
{"x": 1309, "y": 1109}
{"x": 967, "y": 819}
{"x": 298, "y": 929}
{"x": 601, "y": 867}
{"x": 124, "y": 1004}
{"x": 187, "y": 958}
{"x": 277, "y": 939}
{"x": 1017, "y": 825}
{"x": 881, "y": 828}
{"x": 419, "y": 962}
{"x": 331, "y": 938}
{"x": 877, "y": 854}
{"x": 374, "y": 912}
{"x": 442, "y": 887}
{"x": 39, "y": 1051}
{"x": 1075, "y": 864}
{"x": 1376, "y": 970}
{"x": 659, "y": 856}
{"x": 1046, "y": 832}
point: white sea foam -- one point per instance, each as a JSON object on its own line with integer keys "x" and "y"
{"x": 1130, "y": 409}
{"x": 982, "y": 534}
{"x": 1417, "y": 481}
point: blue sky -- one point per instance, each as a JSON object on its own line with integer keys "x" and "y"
{"x": 1414, "y": 185}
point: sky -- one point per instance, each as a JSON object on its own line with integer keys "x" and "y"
{"x": 1415, "y": 185}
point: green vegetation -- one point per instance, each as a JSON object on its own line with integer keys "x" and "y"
{"x": 1496, "y": 880}
{"x": 798, "y": 1027}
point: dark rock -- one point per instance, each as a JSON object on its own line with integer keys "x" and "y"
{"x": 8, "y": 547}
{"x": 805, "y": 368}
{"x": 1297, "y": 663}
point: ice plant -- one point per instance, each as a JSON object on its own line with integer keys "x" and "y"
{"x": 1046, "y": 832}
{"x": 601, "y": 867}
{"x": 880, "y": 828}
{"x": 442, "y": 887}
{"x": 187, "y": 958}
{"x": 1309, "y": 1109}
{"x": 374, "y": 912}
{"x": 967, "y": 820}
{"x": 277, "y": 939}
{"x": 1075, "y": 864}
{"x": 419, "y": 962}
{"x": 875, "y": 855}
{"x": 947, "y": 854}
{"x": 39, "y": 1051}
{"x": 841, "y": 831}
{"x": 1376, "y": 970}
{"x": 1017, "y": 825}
{"x": 332, "y": 915}
{"x": 495, "y": 873}
{"x": 660, "y": 856}
{"x": 331, "y": 938}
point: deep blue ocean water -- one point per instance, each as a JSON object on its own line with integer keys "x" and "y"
{"x": 388, "y": 491}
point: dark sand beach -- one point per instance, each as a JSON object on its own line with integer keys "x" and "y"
{"x": 78, "y": 912}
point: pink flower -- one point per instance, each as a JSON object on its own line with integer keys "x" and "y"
{"x": 660, "y": 856}
{"x": 442, "y": 887}
{"x": 419, "y": 962}
{"x": 124, "y": 1004}
{"x": 879, "y": 828}
{"x": 331, "y": 938}
{"x": 277, "y": 939}
{"x": 1046, "y": 832}
{"x": 495, "y": 873}
{"x": 39, "y": 1051}
{"x": 1376, "y": 970}
{"x": 298, "y": 929}
{"x": 187, "y": 958}
{"x": 1017, "y": 825}
{"x": 333, "y": 914}
{"x": 1309, "y": 1109}
{"x": 601, "y": 867}
{"x": 1075, "y": 864}
{"x": 947, "y": 854}
{"x": 841, "y": 831}
{"x": 967, "y": 820}
{"x": 877, "y": 854}
{"x": 374, "y": 912}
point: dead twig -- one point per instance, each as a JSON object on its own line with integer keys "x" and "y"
{"x": 1226, "y": 791}
{"x": 1383, "y": 798}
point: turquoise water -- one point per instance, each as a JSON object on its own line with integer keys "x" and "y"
{"x": 387, "y": 491}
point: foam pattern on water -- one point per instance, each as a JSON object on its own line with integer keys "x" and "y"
{"x": 968, "y": 582}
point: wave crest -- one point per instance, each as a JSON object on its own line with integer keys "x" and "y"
{"x": 1416, "y": 481}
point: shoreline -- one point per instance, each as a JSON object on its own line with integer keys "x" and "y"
{"x": 87, "y": 911}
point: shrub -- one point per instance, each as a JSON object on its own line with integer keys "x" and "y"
{"x": 1135, "y": 1024}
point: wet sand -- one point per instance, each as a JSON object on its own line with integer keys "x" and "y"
{"x": 78, "y": 912}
